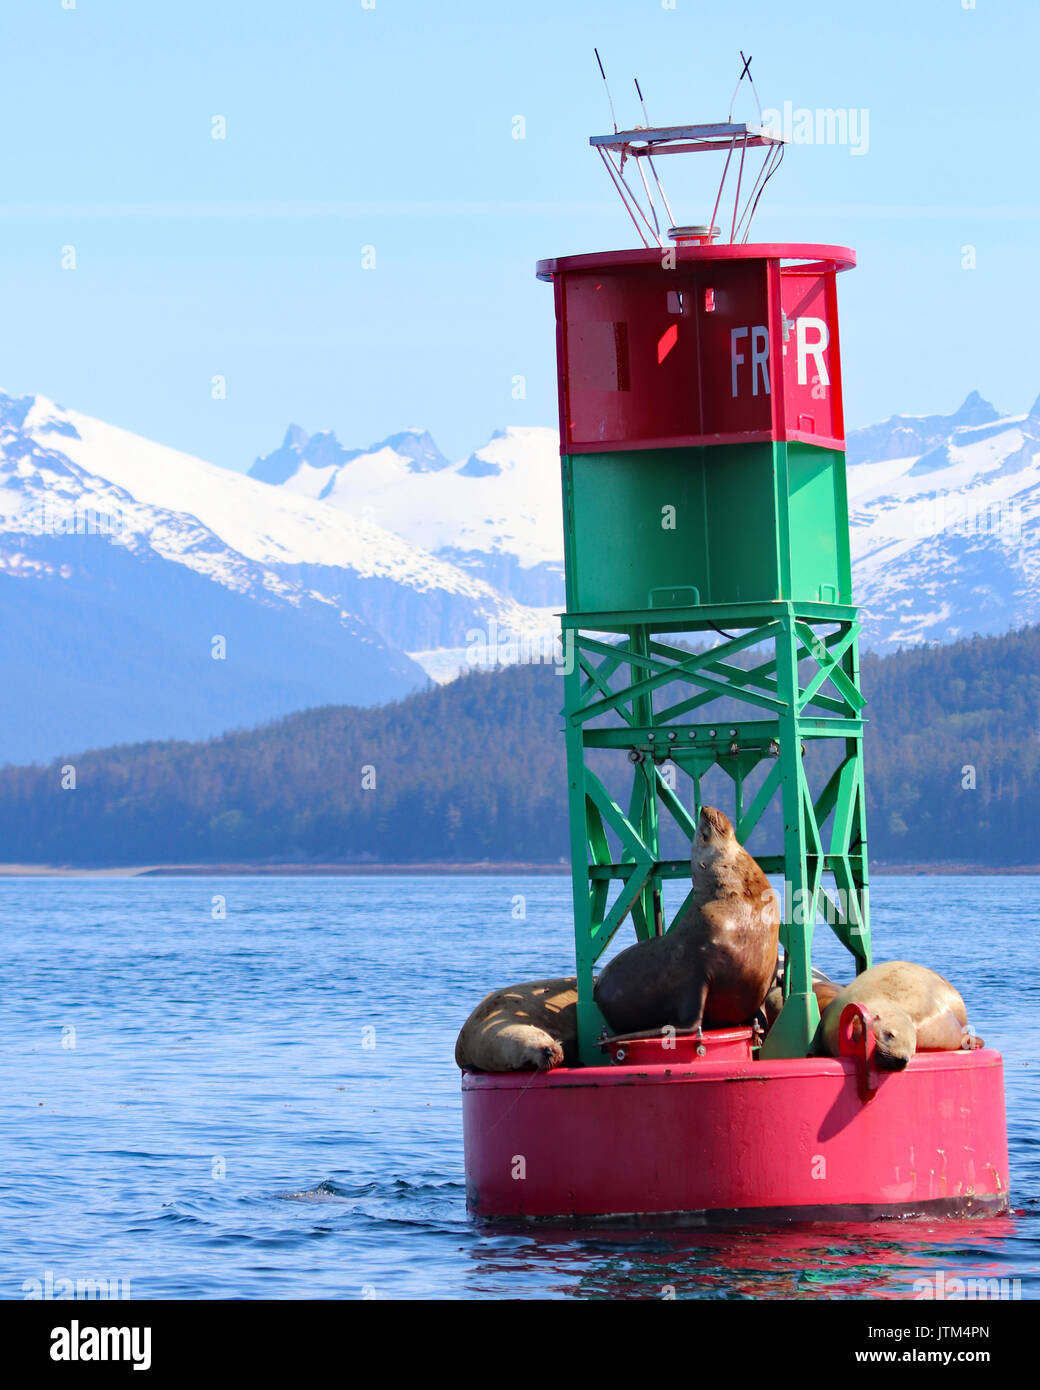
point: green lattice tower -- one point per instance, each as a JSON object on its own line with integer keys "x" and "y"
{"x": 707, "y": 561}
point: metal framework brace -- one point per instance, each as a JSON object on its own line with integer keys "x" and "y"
{"x": 621, "y": 695}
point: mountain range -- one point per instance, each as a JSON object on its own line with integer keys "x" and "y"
{"x": 944, "y": 513}
{"x": 146, "y": 594}
{"x": 495, "y": 514}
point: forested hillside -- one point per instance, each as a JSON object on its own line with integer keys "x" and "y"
{"x": 944, "y": 718}
{"x": 474, "y": 770}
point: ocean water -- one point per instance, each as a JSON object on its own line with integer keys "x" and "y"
{"x": 265, "y": 1104}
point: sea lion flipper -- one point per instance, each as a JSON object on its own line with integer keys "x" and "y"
{"x": 942, "y": 1032}
{"x": 693, "y": 1003}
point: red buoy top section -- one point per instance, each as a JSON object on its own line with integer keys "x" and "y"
{"x": 698, "y": 344}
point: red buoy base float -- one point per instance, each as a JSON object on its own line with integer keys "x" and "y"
{"x": 715, "y": 1136}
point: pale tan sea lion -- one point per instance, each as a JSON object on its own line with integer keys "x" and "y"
{"x": 531, "y": 1026}
{"x": 913, "y": 1010}
{"x": 714, "y": 968}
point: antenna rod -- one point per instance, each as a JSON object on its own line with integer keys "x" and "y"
{"x": 649, "y": 160}
{"x": 642, "y": 103}
{"x": 642, "y": 171}
{"x": 613, "y": 115}
{"x": 745, "y": 69}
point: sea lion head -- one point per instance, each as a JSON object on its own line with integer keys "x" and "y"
{"x": 526, "y": 1047}
{"x": 545, "y": 1056}
{"x": 714, "y": 846}
{"x": 895, "y": 1036}
{"x": 714, "y": 832}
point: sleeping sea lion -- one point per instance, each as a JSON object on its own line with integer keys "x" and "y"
{"x": 913, "y": 1010}
{"x": 532, "y": 1026}
{"x": 715, "y": 966}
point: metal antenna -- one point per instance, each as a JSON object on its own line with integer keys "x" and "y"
{"x": 643, "y": 144}
{"x": 642, "y": 172}
{"x": 660, "y": 188}
{"x": 744, "y": 72}
{"x": 642, "y": 103}
{"x": 613, "y": 115}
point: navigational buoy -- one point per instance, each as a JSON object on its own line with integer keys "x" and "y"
{"x": 703, "y": 469}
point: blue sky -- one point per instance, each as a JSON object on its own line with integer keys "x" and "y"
{"x": 392, "y": 127}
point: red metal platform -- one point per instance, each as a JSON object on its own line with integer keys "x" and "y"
{"x": 696, "y": 1140}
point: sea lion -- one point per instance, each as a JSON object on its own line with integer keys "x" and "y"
{"x": 913, "y": 1010}
{"x": 822, "y": 986}
{"x": 531, "y": 1026}
{"x": 715, "y": 966}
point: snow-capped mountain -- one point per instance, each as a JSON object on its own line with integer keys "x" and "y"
{"x": 307, "y": 463}
{"x": 495, "y": 514}
{"x": 146, "y": 593}
{"x": 944, "y": 513}
{"x": 945, "y": 521}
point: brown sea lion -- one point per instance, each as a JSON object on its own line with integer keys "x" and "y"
{"x": 913, "y": 1010}
{"x": 715, "y": 966}
{"x": 531, "y": 1026}
{"x": 823, "y": 987}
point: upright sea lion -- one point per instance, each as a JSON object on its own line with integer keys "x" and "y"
{"x": 527, "y": 1026}
{"x": 913, "y": 1010}
{"x": 822, "y": 986}
{"x": 715, "y": 966}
